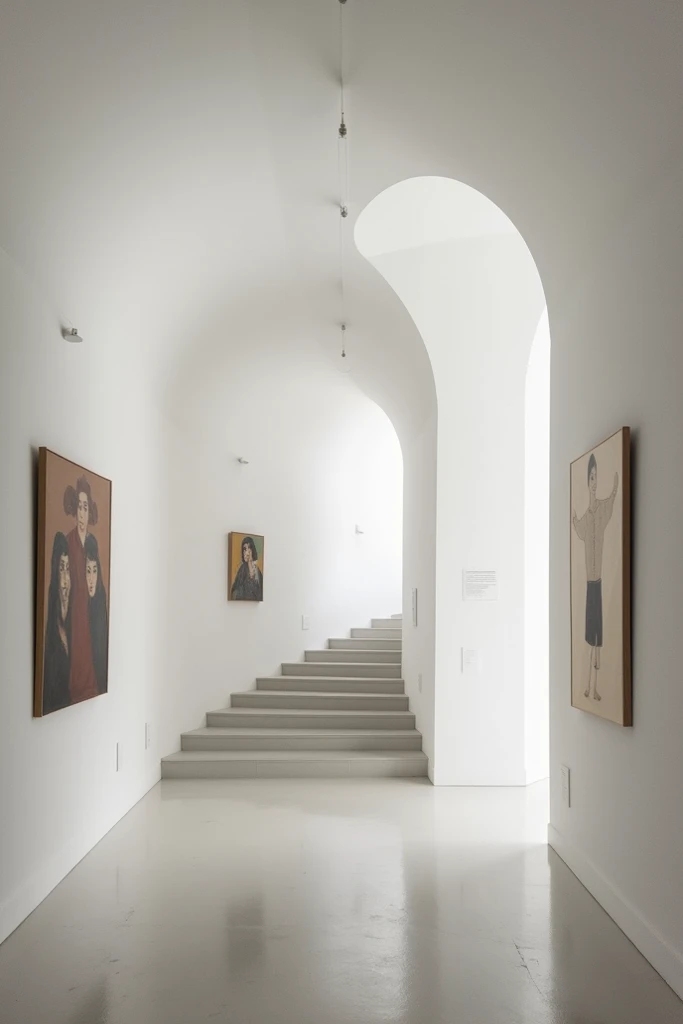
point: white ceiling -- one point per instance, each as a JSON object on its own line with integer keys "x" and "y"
{"x": 168, "y": 172}
{"x": 424, "y": 211}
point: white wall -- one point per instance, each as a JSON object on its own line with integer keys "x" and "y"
{"x": 617, "y": 359}
{"x": 419, "y": 560}
{"x": 323, "y": 458}
{"x": 59, "y": 791}
{"x": 537, "y": 555}
{"x": 476, "y": 302}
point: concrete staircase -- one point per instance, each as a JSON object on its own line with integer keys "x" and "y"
{"x": 340, "y": 712}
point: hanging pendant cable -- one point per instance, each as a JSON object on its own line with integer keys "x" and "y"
{"x": 343, "y": 166}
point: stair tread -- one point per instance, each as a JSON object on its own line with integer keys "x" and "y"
{"x": 347, "y": 664}
{"x": 294, "y": 755}
{"x": 331, "y": 694}
{"x": 358, "y": 651}
{"x": 366, "y": 640}
{"x": 321, "y": 712}
{"x": 219, "y": 730}
{"x": 346, "y": 679}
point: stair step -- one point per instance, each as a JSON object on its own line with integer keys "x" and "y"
{"x": 294, "y": 718}
{"x": 376, "y": 634}
{"x": 386, "y": 623}
{"x": 360, "y": 657}
{"x": 222, "y": 764}
{"x": 359, "y": 644}
{"x": 345, "y": 669}
{"x": 330, "y": 684}
{"x": 334, "y": 701}
{"x": 398, "y": 617}
{"x": 301, "y": 739}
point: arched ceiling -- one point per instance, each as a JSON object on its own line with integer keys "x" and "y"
{"x": 168, "y": 171}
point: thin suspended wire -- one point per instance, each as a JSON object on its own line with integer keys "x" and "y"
{"x": 341, "y": 56}
{"x": 343, "y": 169}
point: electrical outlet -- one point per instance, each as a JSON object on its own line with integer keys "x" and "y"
{"x": 565, "y": 775}
{"x": 305, "y": 622}
{"x": 419, "y": 682}
{"x": 148, "y": 735}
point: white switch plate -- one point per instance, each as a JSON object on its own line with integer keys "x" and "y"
{"x": 305, "y": 622}
{"x": 469, "y": 661}
{"x": 565, "y": 775}
{"x": 415, "y": 606}
{"x": 148, "y": 735}
{"x": 118, "y": 757}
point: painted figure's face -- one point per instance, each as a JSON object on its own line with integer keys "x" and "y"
{"x": 64, "y": 584}
{"x": 83, "y": 510}
{"x": 91, "y": 576}
{"x": 593, "y": 481}
{"x": 246, "y": 553}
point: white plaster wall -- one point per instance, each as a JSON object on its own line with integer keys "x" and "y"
{"x": 476, "y": 302}
{"x": 419, "y": 560}
{"x": 537, "y": 555}
{"x": 323, "y": 458}
{"x": 618, "y": 359}
{"x": 59, "y": 791}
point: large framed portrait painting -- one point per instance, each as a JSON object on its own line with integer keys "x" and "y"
{"x": 600, "y": 552}
{"x": 245, "y": 567}
{"x": 72, "y": 600}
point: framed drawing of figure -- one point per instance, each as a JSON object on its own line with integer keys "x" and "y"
{"x": 600, "y": 554}
{"x": 72, "y": 598}
{"x": 245, "y": 567}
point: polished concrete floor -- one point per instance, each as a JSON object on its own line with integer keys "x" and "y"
{"x": 327, "y": 902}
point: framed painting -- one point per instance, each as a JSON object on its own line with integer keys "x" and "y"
{"x": 245, "y": 567}
{"x": 72, "y": 593}
{"x": 600, "y": 558}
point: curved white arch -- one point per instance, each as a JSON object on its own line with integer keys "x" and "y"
{"x": 469, "y": 282}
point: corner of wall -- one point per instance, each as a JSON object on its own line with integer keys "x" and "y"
{"x": 644, "y": 936}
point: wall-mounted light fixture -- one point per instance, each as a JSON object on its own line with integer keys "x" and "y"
{"x": 71, "y": 334}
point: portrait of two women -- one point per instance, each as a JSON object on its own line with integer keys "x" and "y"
{"x": 72, "y": 635}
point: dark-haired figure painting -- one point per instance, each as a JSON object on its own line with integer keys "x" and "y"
{"x": 97, "y": 612}
{"x": 72, "y": 630}
{"x": 245, "y": 567}
{"x": 600, "y": 556}
{"x": 57, "y": 674}
{"x": 79, "y": 504}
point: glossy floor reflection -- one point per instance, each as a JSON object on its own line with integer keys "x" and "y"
{"x": 327, "y": 902}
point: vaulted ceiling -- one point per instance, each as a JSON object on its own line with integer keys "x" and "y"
{"x": 169, "y": 169}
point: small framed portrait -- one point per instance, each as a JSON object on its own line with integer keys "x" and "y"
{"x": 245, "y": 567}
{"x": 72, "y": 598}
{"x": 600, "y": 554}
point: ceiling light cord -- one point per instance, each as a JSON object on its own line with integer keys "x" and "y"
{"x": 343, "y": 170}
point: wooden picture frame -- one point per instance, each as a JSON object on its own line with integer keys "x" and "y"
{"x": 600, "y": 580}
{"x": 73, "y": 573}
{"x": 245, "y": 566}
